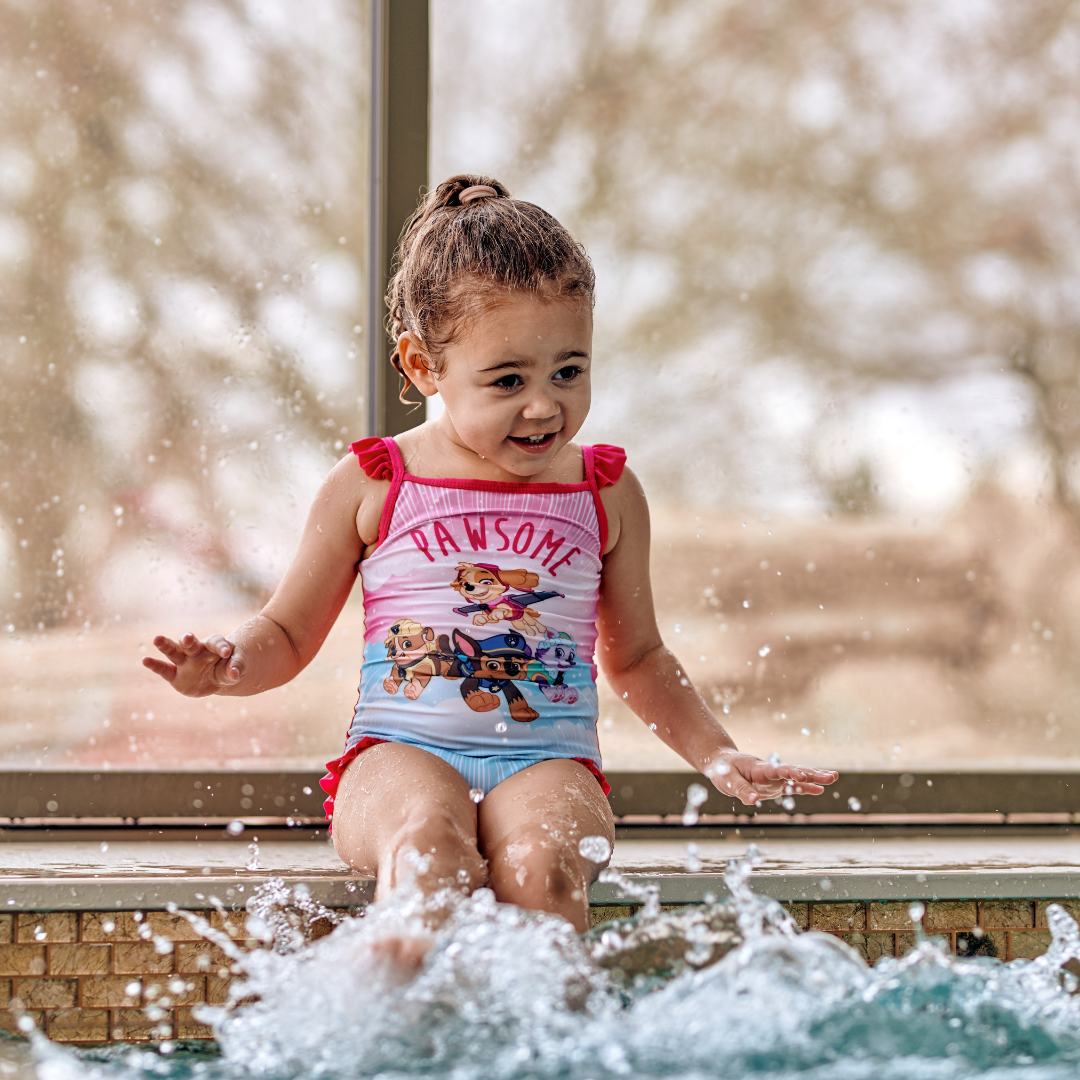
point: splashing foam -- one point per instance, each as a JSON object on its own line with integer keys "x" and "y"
{"x": 722, "y": 989}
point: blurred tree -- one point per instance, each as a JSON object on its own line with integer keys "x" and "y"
{"x": 870, "y": 193}
{"x": 179, "y": 283}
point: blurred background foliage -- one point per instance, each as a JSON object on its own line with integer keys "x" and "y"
{"x": 836, "y": 246}
{"x": 179, "y": 217}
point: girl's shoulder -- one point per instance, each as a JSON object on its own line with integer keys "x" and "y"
{"x": 357, "y": 495}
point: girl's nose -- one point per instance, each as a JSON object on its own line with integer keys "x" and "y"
{"x": 540, "y": 406}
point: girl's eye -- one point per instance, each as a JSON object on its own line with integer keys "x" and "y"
{"x": 568, "y": 373}
{"x": 508, "y": 382}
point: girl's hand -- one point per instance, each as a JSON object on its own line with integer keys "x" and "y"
{"x": 198, "y": 668}
{"x": 750, "y": 780}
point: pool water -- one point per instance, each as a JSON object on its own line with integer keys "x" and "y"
{"x": 511, "y": 995}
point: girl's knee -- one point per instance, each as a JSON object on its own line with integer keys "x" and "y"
{"x": 539, "y": 874}
{"x": 434, "y": 849}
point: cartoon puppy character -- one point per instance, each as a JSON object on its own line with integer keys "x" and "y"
{"x": 416, "y": 658}
{"x": 555, "y": 656}
{"x": 489, "y": 667}
{"x": 486, "y": 586}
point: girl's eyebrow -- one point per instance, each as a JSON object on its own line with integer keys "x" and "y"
{"x": 570, "y": 354}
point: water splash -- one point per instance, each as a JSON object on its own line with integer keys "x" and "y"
{"x": 726, "y": 989}
{"x": 696, "y": 797}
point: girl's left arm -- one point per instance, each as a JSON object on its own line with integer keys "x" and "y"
{"x": 648, "y": 677}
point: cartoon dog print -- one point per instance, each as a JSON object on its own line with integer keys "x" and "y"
{"x": 490, "y": 667}
{"x": 555, "y": 655}
{"x": 486, "y": 587}
{"x": 415, "y": 657}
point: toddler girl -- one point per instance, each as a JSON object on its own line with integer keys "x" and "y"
{"x": 500, "y": 562}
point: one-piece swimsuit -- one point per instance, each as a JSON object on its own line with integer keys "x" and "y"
{"x": 489, "y": 685}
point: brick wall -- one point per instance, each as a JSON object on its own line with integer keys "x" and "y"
{"x": 95, "y": 976}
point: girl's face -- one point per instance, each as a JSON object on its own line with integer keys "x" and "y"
{"x": 515, "y": 383}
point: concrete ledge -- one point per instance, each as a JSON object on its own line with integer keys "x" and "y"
{"x": 128, "y": 875}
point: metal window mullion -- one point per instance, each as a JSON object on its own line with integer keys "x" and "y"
{"x": 398, "y": 172}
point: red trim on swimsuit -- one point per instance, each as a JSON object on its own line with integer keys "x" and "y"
{"x": 329, "y": 783}
{"x": 381, "y": 460}
{"x": 604, "y": 465}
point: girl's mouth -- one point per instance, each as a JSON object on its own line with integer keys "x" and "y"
{"x": 534, "y": 444}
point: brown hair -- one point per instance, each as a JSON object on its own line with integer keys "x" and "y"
{"x": 454, "y": 258}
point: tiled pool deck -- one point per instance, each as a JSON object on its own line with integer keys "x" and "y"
{"x": 88, "y": 950}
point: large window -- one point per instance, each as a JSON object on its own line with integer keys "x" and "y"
{"x": 182, "y": 201}
{"x": 837, "y": 328}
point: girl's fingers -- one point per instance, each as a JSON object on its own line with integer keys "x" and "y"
{"x": 217, "y": 644}
{"x": 736, "y": 785}
{"x": 233, "y": 671}
{"x": 190, "y": 644}
{"x": 160, "y": 667}
{"x": 169, "y": 648}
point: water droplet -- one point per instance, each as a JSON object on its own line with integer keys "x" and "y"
{"x": 476, "y": 795}
{"x": 788, "y": 803}
{"x": 103, "y": 847}
{"x": 234, "y": 828}
{"x": 307, "y": 790}
{"x": 133, "y": 989}
{"x": 916, "y": 911}
{"x": 764, "y": 650}
{"x": 596, "y": 849}
{"x": 805, "y": 731}
{"x": 108, "y": 926}
{"x": 500, "y": 727}
{"x": 854, "y": 805}
{"x": 774, "y": 759}
{"x": 693, "y": 862}
{"x": 40, "y": 934}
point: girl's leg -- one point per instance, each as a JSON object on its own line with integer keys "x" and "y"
{"x": 530, "y": 827}
{"x": 395, "y": 800}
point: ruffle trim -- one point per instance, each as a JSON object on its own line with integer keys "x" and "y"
{"x": 608, "y": 464}
{"x": 374, "y": 457}
{"x": 329, "y": 783}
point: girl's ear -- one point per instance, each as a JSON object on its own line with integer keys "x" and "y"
{"x": 415, "y": 362}
{"x": 466, "y": 645}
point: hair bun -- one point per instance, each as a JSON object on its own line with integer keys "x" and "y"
{"x": 477, "y": 191}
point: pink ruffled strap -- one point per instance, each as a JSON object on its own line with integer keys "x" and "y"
{"x": 375, "y": 458}
{"x": 608, "y": 463}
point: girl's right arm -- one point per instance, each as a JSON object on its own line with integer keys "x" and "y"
{"x": 278, "y": 643}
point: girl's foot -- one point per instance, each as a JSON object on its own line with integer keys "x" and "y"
{"x": 402, "y": 957}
